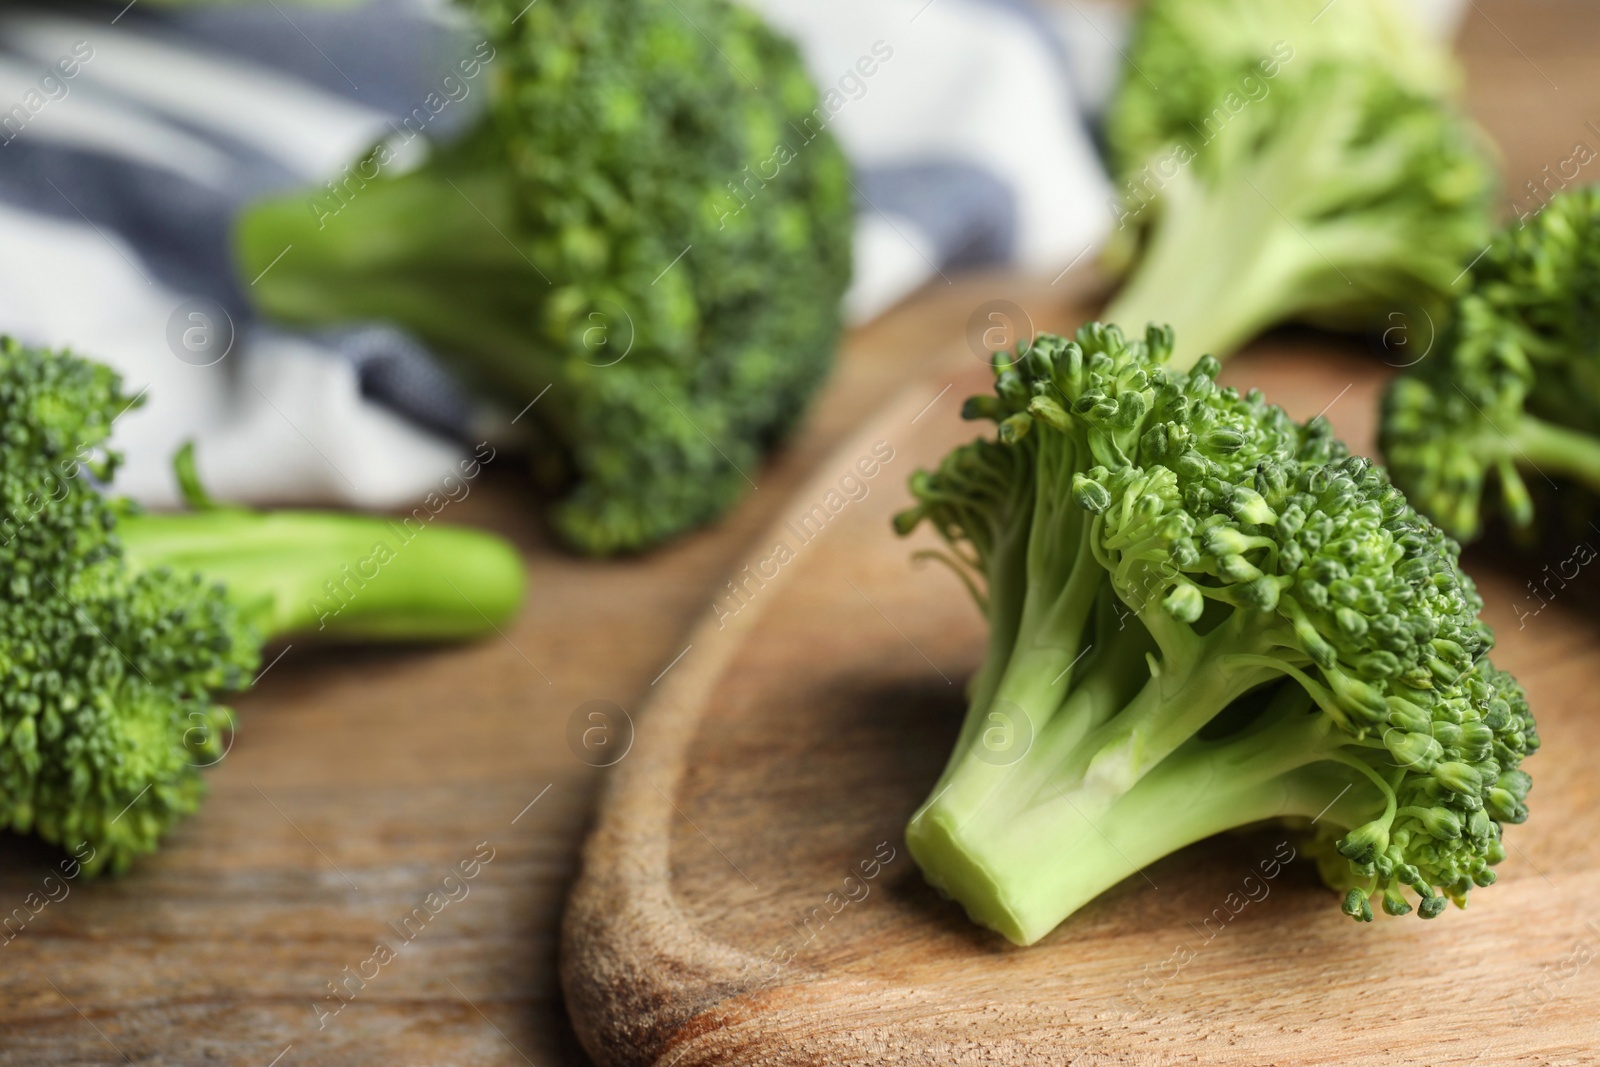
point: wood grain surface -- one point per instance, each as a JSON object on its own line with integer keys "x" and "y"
{"x": 359, "y": 777}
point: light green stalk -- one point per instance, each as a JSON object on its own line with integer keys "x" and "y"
{"x": 344, "y": 576}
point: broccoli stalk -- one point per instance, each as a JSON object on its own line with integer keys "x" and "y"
{"x": 349, "y": 577}
{"x": 118, "y": 628}
{"x": 1288, "y": 171}
{"x": 1512, "y": 396}
{"x": 1202, "y": 616}
{"x": 652, "y": 222}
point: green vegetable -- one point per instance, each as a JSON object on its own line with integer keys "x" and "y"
{"x": 1202, "y": 615}
{"x": 117, "y": 627}
{"x": 1512, "y": 397}
{"x": 246, "y": 3}
{"x": 653, "y": 222}
{"x": 1289, "y": 160}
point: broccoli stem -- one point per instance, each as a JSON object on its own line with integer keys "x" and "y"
{"x": 1555, "y": 451}
{"x": 427, "y": 250}
{"x": 345, "y": 576}
{"x": 1024, "y": 845}
{"x": 1221, "y": 265}
{"x": 1032, "y": 820}
{"x": 1021, "y": 871}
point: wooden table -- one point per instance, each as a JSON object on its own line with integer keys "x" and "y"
{"x": 361, "y": 780}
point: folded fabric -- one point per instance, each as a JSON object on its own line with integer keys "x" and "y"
{"x": 130, "y": 138}
{"x": 126, "y": 149}
{"x": 959, "y": 117}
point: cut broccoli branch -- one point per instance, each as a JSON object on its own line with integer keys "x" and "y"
{"x": 1511, "y": 397}
{"x": 1339, "y": 189}
{"x": 120, "y": 628}
{"x": 658, "y": 237}
{"x": 1202, "y": 615}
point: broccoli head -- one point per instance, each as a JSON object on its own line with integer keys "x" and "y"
{"x": 118, "y": 628}
{"x": 1289, "y": 161}
{"x": 1514, "y": 392}
{"x": 1202, "y": 615}
{"x": 653, "y": 221}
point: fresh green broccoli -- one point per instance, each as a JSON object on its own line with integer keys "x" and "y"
{"x": 1202, "y": 615}
{"x": 653, "y": 221}
{"x": 1514, "y": 391}
{"x": 117, "y": 627}
{"x": 1289, "y": 160}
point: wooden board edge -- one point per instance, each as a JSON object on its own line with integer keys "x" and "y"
{"x": 638, "y": 978}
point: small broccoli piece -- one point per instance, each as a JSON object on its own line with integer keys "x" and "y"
{"x": 1289, "y": 161}
{"x": 1202, "y": 615}
{"x": 653, "y": 221}
{"x": 1514, "y": 391}
{"x": 117, "y": 628}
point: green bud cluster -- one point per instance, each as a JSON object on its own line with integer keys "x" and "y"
{"x": 1510, "y": 400}
{"x": 1204, "y": 48}
{"x": 1242, "y": 537}
{"x": 105, "y": 675}
{"x": 653, "y": 221}
{"x": 117, "y": 627}
{"x": 1311, "y": 156}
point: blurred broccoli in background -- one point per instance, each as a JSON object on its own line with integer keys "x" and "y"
{"x": 652, "y": 221}
{"x": 1288, "y": 160}
{"x": 117, "y": 628}
{"x": 1513, "y": 392}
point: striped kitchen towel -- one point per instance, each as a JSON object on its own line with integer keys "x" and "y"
{"x": 132, "y": 134}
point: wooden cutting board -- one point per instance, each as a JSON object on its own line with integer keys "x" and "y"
{"x": 715, "y": 920}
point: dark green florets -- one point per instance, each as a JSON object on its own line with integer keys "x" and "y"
{"x": 639, "y": 132}
{"x": 1459, "y": 748}
{"x": 666, "y": 245}
{"x": 117, "y": 626}
{"x": 1511, "y": 397}
{"x": 1257, "y": 556}
{"x": 1201, "y": 488}
{"x": 105, "y": 675}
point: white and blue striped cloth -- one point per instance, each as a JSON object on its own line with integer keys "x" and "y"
{"x": 131, "y": 136}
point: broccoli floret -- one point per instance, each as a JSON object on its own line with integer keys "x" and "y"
{"x": 1514, "y": 391}
{"x": 117, "y": 627}
{"x": 1289, "y": 161}
{"x": 1202, "y": 615}
{"x": 653, "y": 221}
